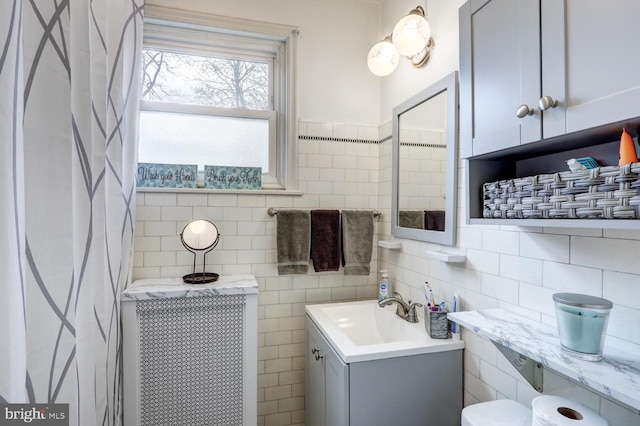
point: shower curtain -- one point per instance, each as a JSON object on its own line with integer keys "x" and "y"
{"x": 69, "y": 98}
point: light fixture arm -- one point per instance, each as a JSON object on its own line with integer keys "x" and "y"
{"x": 421, "y": 59}
{"x": 419, "y": 10}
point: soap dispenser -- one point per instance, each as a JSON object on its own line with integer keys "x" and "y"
{"x": 384, "y": 288}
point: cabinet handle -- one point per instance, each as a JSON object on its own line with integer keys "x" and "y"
{"x": 316, "y": 352}
{"x": 524, "y": 110}
{"x": 547, "y": 102}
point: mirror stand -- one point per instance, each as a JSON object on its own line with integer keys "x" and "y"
{"x": 200, "y": 236}
{"x": 200, "y": 277}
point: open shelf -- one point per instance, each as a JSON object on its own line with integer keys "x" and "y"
{"x": 543, "y": 157}
{"x": 446, "y": 256}
{"x": 391, "y": 245}
{"x": 561, "y": 223}
{"x": 616, "y": 376}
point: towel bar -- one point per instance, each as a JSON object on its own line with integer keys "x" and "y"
{"x": 272, "y": 211}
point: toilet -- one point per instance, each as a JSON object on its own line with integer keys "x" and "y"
{"x": 502, "y": 412}
{"x": 505, "y": 412}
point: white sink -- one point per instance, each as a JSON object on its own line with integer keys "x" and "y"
{"x": 363, "y": 331}
{"x": 368, "y": 324}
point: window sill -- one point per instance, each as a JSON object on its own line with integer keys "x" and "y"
{"x": 221, "y": 191}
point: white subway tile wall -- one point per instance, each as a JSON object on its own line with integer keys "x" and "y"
{"x": 334, "y": 174}
{"x": 517, "y": 269}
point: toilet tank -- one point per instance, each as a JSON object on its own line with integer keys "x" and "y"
{"x": 502, "y": 412}
{"x": 190, "y": 352}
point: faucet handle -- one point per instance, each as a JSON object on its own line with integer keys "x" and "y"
{"x": 411, "y": 315}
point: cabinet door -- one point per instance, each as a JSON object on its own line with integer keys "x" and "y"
{"x": 589, "y": 63}
{"x": 500, "y": 71}
{"x": 336, "y": 376}
{"x": 327, "y": 382}
{"x": 314, "y": 380}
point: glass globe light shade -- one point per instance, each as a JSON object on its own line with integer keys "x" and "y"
{"x": 411, "y": 34}
{"x": 383, "y": 58}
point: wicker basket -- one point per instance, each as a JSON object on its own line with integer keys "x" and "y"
{"x": 609, "y": 192}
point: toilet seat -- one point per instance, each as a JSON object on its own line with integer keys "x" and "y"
{"x": 502, "y": 412}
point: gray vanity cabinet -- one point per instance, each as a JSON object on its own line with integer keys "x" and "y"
{"x": 423, "y": 389}
{"x": 327, "y": 402}
{"x": 517, "y": 55}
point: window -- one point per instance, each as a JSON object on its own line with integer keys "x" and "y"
{"x": 218, "y": 91}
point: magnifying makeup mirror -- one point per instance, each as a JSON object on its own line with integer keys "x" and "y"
{"x": 200, "y": 236}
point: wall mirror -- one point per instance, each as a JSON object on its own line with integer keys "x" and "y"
{"x": 424, "y": 164}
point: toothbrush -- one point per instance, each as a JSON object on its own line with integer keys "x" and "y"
{"x": 454, "y": 325}
{"x": 425, "y": 290}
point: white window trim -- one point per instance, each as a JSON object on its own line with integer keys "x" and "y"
{"x": 287, "y": 145}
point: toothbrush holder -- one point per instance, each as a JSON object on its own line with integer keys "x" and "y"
{"x": 436, "y": 324}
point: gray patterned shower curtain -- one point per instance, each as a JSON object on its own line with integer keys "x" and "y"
{"x": 69, "y": 97}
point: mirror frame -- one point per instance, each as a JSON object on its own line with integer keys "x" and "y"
{"x": 448, "y": 236}
{"x": 214, "y": 235}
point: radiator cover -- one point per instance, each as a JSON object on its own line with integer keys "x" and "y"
{"x": 191, "y": 364}
{"x": 190, "y": 358}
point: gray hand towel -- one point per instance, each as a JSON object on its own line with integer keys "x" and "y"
{"x": 357, "y": 241}
{"x": 293, "y": 241}
{"x": 411, "y": 219}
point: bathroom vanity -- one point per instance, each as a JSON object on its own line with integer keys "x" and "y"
{"x": 189, "y": 352}
{"x": 365, "y": 365}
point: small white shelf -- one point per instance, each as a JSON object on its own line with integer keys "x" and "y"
{"x": 392, "y": 245}
{"x": 447, "y": 257}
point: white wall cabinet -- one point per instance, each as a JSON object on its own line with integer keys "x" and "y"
{"x": 578, "y": 53}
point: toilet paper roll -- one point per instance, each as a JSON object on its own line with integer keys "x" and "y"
{"x": 550, "y": 410}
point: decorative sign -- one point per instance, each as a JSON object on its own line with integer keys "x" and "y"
{"x": 152, "y": 175}
{"x": 229, "y": 177}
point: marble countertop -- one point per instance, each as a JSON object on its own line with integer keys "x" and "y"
{"x": 617, "y": 375}
{"x": 165, "y": 288}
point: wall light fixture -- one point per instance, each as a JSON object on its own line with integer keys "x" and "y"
{"x": 411, "y": 37}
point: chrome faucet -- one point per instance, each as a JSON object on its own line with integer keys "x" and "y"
{"x": 405, "y": 310}
{"x": 401, "y": 310}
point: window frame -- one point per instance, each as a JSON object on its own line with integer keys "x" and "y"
{"x": 199, "y": 33}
